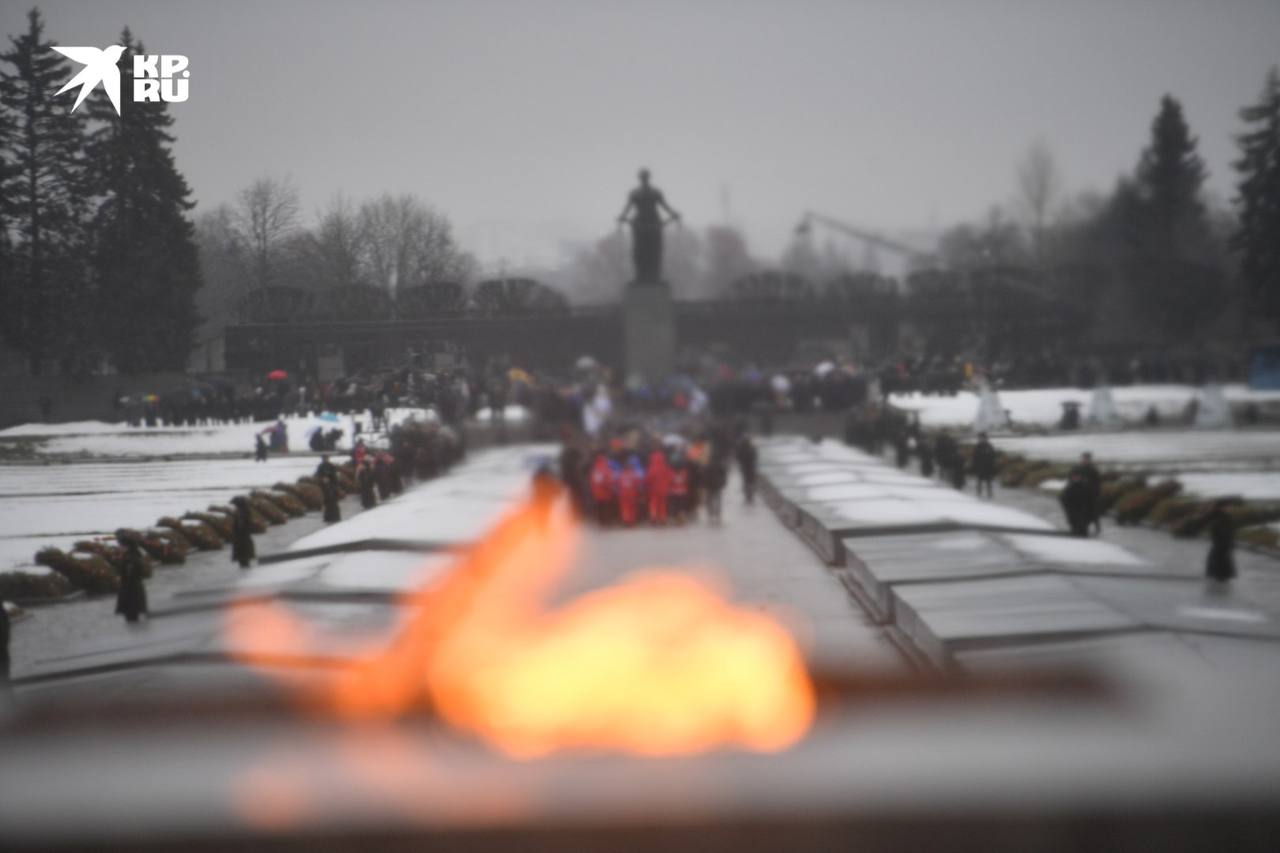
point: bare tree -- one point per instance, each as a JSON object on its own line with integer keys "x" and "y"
{"x": 337, "y": 246}
{"x": 1038, "y": 184}
{"x": 266, "y": 214}
{"x": 223, "y": 266}
{"x": 407, "y": 243}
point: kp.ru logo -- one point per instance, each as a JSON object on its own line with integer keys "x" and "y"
{"x": 156, "y": 76}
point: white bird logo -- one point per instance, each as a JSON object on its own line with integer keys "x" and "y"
{"x": 99, "y": 67}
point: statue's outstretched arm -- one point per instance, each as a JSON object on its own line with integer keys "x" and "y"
{"x": 671, "y": 211}
{"x": 626, "y": 208}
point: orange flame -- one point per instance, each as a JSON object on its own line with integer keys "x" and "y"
{"x": 658, "y": 664}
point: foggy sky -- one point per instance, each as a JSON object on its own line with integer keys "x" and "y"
{"x": 526, "y": 121}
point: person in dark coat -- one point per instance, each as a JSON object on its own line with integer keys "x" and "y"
{"x": 382, "y": 476}
{"x": 573, "y": 475}
{"x": 131, "y": 602}
{"x": 326, "y": 470}
{"x": 1092, "y": 478}
{"x": 4, "y": 648}
{"x": 397, "y": 482}
{"x": 242, "y": 550}
{"x": 946, "y": 455}
{"x": 259, "y": 449}
{"x": 924, "y": 449}
{"x": 332, "y": 512}
{"x": 714, "y": 477}
{"x": 678, "y": 493}
{"x": 367, "y": 482}
{"x": 748, "y": 459}
{"x": 984, "y": 465}
{"x": 901, "y": 448}
{"x": 1076, "y": 505}
{"x": 1220, "y": 565}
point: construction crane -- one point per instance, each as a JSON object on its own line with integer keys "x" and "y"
{"x": 868, "y": 238}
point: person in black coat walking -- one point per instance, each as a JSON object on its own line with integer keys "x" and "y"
{"x": 748, "y": 457}
{"x": 947, "y": 455}
{"x": 382, "y": 476}
{"x": 367, "y": 482}
{"x": 901, "y": 448}
{"x": 332, "y": 512}
{"x": 4, "y": 649}
{"x": 984, "y": 465}
{"x": 1088, "y": 472}
{"x": 326, "y": 470}
{"x": 924, "y": 449}
{"x": 242, "y": 550}
{"x": 131, "y": 602}
{"x": 715, "y": 476}
{"x": 397, "y": 482}
{"x": 1220, "y": 565}
{"x": 1077, "y": 505}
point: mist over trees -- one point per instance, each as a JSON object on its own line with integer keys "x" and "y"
{"x": 102, "y": 266}
{"x": 259, "y": 248}
{"x": 702, "y": 263}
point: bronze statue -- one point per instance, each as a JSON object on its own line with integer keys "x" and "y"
{"x": 646, "y": 229}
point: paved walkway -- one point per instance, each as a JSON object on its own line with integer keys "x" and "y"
{"x": 763, "y": 562}
{"x": 760, "y": 559}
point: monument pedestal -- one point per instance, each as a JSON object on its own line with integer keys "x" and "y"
{"x": 649, "y": 331}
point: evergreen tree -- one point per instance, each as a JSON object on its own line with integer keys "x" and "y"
{"x": 145, "y": 260}
{"x": 1172, "y": 265}
{"x": 9, "y": 306}
{"x": 1257, "y": 238}
{"x": 45, "y": 202}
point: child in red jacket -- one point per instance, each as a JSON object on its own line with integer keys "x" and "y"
{"x": 629, "y": 483}
{"x": 658, "y": 483}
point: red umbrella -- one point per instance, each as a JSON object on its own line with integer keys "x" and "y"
{"x": 277, "y": 374}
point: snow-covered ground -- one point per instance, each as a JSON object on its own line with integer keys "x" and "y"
{"x": 96, "y": 438}
{"x": 1208, "y": 451}
{"x": 1042, "y": 407}
{"x": 1261, "y": 486}
{"x": 57, "y": 504}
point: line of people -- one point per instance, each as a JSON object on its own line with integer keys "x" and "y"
{"x": 638, "y": 479}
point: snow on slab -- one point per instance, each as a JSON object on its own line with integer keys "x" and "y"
{"x": 391, "y": 572}
{"x": 106, "y": 439}
{"x": 1139, "y": 447}
{"x": 281, "y": 574}
{"x": 511, "y": 414}
{"x": 17, "y": 552}
{"x": 882, "y": 477}
{"x": 84, "y": 515}
{"x": 68, "y": 428}
{"x": 447, "y": 520}
{"x": 1069, "y": 549}
{"x": 1043, "y": 406}
{"x": 101, "y": 477}
{"x": 453, "y": 509}
{"x": 1247, "y": 485}
{"x": 874, "y": 491}
{"x": 902, "y": 512}
{"x": 830, "y": 450}
{"x": 43, "y": 505}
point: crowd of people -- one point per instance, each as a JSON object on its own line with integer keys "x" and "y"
{"x": 631, "y": 476}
